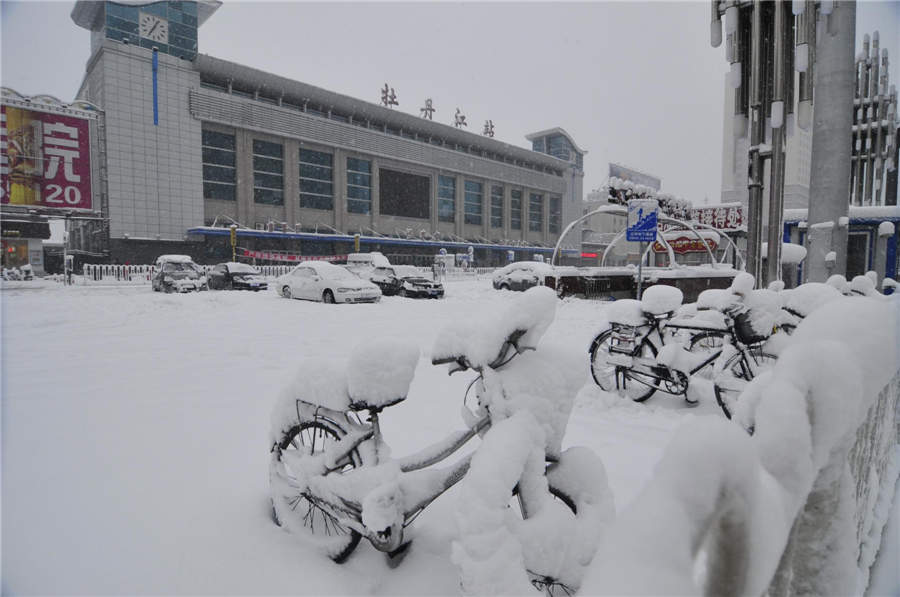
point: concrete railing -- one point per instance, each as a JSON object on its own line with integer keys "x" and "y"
{"x": 796, "y": 508}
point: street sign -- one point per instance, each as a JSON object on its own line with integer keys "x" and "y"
{"x": 642, "y": 219}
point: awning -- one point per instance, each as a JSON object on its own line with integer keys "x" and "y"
{"x": 24, "y": 229}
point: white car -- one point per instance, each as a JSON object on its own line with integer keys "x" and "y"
{"x": 326, "y": 282}
{"x": 521, "y": 275}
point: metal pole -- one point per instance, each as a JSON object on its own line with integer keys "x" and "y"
{"x": 776, "y": 185}
{"x": 757, "y": 136}
{"x": 640, "y": 271}
{"x": 829, "y": 189}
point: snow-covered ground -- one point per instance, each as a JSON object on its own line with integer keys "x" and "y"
{"x": 135, "y": 426}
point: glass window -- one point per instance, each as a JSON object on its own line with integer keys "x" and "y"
{"x": 515, "y": 210}
{"x": 446, "y": 199}
{"x": 496, "y": 207}
{"x": 404, "y": 194}
{"x": 268, "y": 172}
{"x": 316, "y": 176}
{"x": 535, "y": 212}
{"x": 473, "y": 202}
{"x": 218, "y": 165}
{"x": 359, "y": 186}
{"x": 555, "y": 213}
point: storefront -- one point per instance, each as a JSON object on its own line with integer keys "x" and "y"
{"x": 22, "y": 243}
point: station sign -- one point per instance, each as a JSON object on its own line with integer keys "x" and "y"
{"x": 289, "y": 257}
{"x": 643, "y": 215}
{"x": 45, "y": 159}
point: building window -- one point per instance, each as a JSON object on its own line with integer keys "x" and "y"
{"x": 535, "y": 212}
{"x": 515, "y": 210}
{"x": 473, "y": 202}
{"x": 316, "y": 176}
{"x": 446, "y": 199}
{"x": 268, "y": 172}
{"x": 559, "y": 147}
{"x": 496, "y": 207}
{"x": 218, "y": 165}
{"x": 404, "y": 194}
{"x": 359, "y": 186}
{"x": 555, "y": 213}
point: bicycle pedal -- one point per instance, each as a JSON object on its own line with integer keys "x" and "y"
{"x": 691, "y": 401}
{"x": 395, "y": 557}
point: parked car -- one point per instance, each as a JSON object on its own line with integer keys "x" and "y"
{"x": 177, "y": 273}
{"x": 405, "y": 280}
{"x": 362, "y": 264}
{"x": 236, "y": 276}
{"x": 323, "y": 281}
{"x": 522, "y": 275}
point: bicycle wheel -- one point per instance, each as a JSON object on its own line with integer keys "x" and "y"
{"x": 611, "y": 377}
{"x": 707, "y": 341}
{"x": 293, "y": 506}
{"x": 738, "y": 371}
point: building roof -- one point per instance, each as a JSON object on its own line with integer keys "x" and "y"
{"x": 87, "y": 12}
{"x": 274, "y": 85}
{"x": 556, "y": 131}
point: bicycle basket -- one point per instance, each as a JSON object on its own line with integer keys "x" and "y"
{"x": 624, "y": 339}
{"x": 744, "y": 329}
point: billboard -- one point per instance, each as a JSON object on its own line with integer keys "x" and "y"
{"x": 619, "y": 171}
{"x": 46, "y": 159}
{"x": 731, "y": 216}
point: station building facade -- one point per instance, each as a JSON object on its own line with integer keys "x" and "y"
{"x": 195, "y": 143}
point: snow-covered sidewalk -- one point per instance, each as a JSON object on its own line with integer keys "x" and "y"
{"x": 134, "y": 453}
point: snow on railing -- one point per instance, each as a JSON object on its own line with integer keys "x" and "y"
{"x": 796, "y": 508}
{"x": 121, "y": 274}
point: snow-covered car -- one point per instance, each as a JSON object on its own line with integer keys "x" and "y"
{"x": 236, "y": 276}
{"x": 177, "y": 273}
{"x": 521, "y": 275}
{"x": 362, "y": 264}
{"x": 405, "y": 280}
{"x": 326, "y": 282}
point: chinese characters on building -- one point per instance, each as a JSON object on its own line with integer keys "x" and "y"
{"x": 46, "y": 159}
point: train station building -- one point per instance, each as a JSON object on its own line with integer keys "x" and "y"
{"x": 193, "y": 144}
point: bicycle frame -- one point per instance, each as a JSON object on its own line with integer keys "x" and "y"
{"x": 348, "y": 512}
{"x": 664, "y": 377}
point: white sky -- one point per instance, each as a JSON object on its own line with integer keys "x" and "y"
{"x": 633, "y": 82}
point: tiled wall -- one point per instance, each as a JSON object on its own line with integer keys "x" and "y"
{"x": 155, "y": 175}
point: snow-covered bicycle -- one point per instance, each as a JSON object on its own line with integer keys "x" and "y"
{"x": 334, "y": 482}
{"x": 648, "y": 348}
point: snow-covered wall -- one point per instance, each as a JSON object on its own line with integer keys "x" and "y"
{"x": 796, "y": 508}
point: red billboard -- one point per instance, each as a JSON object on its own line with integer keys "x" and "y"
{"x": 46, "y": 159}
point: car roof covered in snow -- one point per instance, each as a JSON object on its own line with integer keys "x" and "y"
{"x": 173, "y": 259}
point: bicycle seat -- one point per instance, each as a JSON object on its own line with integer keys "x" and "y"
{"x": 661, "y": 300}
{"x": 380, "y": 372}
{"x": 487, "y": 342}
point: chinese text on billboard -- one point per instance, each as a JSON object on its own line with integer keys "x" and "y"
{"x": 46, "y": 159}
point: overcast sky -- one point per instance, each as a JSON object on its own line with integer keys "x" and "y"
{"x": 633, "y": 82}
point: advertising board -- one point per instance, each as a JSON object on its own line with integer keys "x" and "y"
{"x": 45, "y": 159}
{"x": 635, "y": 176}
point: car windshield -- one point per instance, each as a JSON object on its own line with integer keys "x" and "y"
{"x": 242, "y": 268}
{"x": 338, "y": 273}
{"x": 177, "y": 267}
{"x": 407, "y": 271}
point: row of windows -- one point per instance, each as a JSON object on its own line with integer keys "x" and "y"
{"x": 382, "y": 127}
{"x": 218, "y": 165}
{"x": 317, "y": 185}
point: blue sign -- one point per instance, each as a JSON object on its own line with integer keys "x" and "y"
{"x": 642, "y": 219}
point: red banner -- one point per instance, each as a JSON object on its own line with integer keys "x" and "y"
{"x": 290, "y": 257}
{"x": 684, "y": 244}
{"x": 46, "y": 159}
